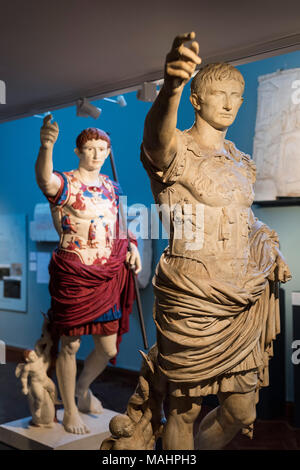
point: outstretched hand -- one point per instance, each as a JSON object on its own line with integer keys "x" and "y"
{"x": 181, "y": 62}
{"x": 49, "y": 132}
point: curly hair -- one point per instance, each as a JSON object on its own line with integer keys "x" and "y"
{"x": 118, "y": 424}
{"x": 217, "y": 71}
{"x": 91, "y": 133}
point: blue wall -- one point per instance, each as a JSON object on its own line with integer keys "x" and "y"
{"x": 19, "y": 194}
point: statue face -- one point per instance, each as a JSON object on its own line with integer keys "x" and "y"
{"x": 93, "y": 154}
{"x": 220, "y": 103}
{"x": 32, "y": 356}
{"x": 128, "y": 429}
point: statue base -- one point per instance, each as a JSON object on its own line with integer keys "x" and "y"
{"x": 21, "y": 435}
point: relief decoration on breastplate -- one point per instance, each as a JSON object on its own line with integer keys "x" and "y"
{"x": 88, "y": 220}
{"x": 219, "y": 195}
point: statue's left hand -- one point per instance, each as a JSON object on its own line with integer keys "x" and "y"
{"x": 133, "y": 259}
{"x": 282, "y": 272}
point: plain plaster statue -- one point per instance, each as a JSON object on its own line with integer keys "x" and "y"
{"x": 90, "y": 279}
{"x": 216, "y": 284}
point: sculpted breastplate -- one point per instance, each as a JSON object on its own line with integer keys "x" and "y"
{"x": 210, "y": 209}
{"x": 86, "y": 220}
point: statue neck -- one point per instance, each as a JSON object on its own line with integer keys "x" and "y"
{"x": 207, "y": 136}
{"x": 90, "y": 177}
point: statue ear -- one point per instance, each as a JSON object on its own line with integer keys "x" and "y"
{"x": 195, "y": 100}
{"x": 77, "y": 151}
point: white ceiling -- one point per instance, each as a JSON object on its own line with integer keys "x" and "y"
{"x": 53, "y": 52}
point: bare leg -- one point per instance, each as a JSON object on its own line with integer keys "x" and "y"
{"x": 218, "y": 428}
{"x": 105, "y": 349}
{"x": 66, "y": 376}
{"x": 50, "y": 387}
{"x": 178, "y": 432}
{"x": 37, "y": 392}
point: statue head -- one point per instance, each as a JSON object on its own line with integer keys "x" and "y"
{"x": 92, "y": 148}
{"x": 121, "y": 426}
{"x": 217, "y": 94}
{"x": 30, "y": 355}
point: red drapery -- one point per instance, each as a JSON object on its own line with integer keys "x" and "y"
{"x": 81, "y": 293}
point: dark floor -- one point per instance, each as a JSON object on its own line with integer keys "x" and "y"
{"x": 116, "y": 387}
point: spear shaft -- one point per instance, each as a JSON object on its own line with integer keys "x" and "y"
{"x": 136, "y": 287}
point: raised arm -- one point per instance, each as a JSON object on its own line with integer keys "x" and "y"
{"x": 160, "y": 124}
{"x": 48, "y": 182}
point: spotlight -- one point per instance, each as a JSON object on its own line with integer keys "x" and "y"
{"x": 120, "y": 101}
{"x": 86, "y": 109}
{"x": 148, "y": 92}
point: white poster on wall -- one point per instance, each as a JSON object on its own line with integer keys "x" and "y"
{"x": 13, "y": 263}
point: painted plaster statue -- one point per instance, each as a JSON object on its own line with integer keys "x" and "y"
{"x": 91, "y": 281}
{"x": 36, "y": 384}
{"x": 216, "y": 284}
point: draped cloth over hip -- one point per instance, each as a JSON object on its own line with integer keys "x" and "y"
{"x": 207, "y": 328}
{"x": 81, "y": 293}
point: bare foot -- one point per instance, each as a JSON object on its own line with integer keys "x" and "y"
{"x": 74, "y": 424}
{"x": 88, "y": 403}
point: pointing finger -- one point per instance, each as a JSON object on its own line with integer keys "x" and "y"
{"x": 195, "y": 47}
{"x": 181, "y": 38}
{"x": 47, "y": 119}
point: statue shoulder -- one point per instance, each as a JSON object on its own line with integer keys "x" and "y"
{"x": 113, "y": 185}
{"x": 245, "y": 158}
{"x": 250, "y": 165}
{"x": 184, "y": 137}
